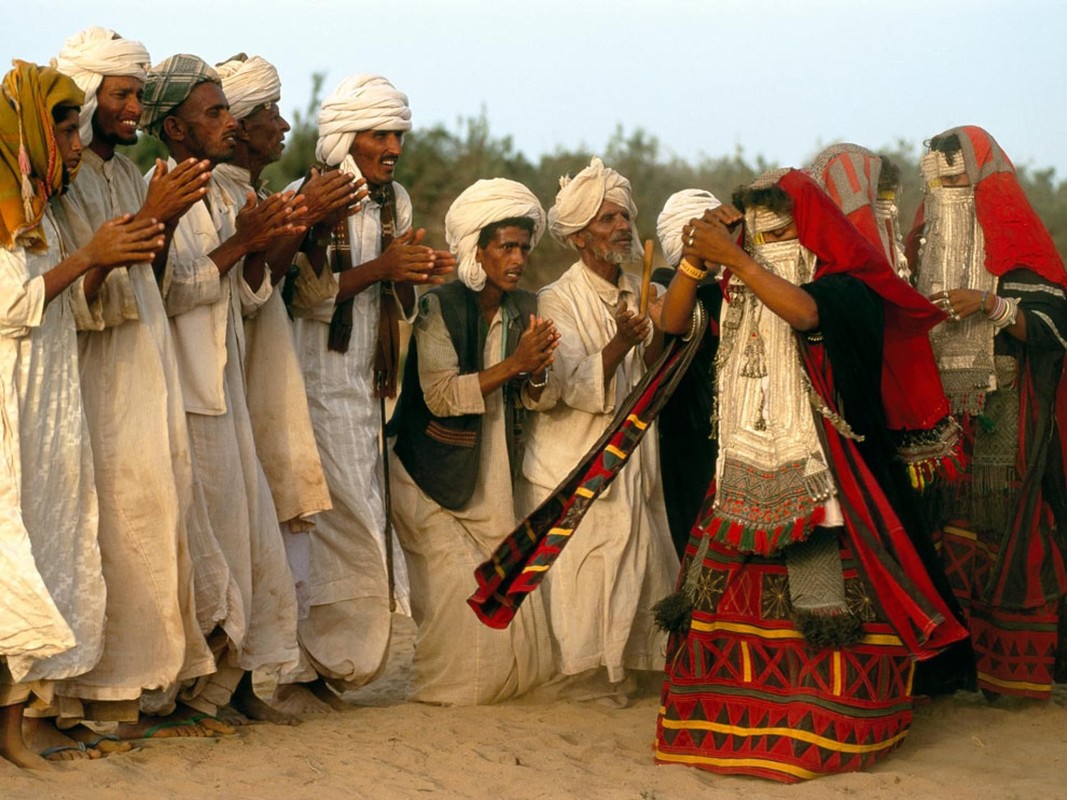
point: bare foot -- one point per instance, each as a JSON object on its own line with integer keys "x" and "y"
{"x": 228, "y": 715}
{"x": 323, "y": 692}
{"x": 299, "y": 700}
{"x": 249, "y": 703}
{"x": 41, "y": 736}
{"x": 213, "y": 724}
{"x": 12, "y": 746}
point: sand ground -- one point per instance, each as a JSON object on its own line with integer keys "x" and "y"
{"x": 959, "y": 748}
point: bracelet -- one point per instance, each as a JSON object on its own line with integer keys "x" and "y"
{"x": 985, "y": 294}
{"x": 695, "y": 273}
{"x": 541, "y": 384}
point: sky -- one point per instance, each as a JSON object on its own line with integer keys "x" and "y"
{"x": 705, "y": 77}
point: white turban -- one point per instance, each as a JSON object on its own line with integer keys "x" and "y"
{"x": 677, "y": 211}
{"x": 249, "y": 83}
{"x": 482, "y": 204}
{"x": 90, "y": 56}
{"x": 360, "y": 103}
{"x": 579, "y": 199}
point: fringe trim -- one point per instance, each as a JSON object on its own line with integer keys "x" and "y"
{"x": 747, "y": 538}
{"x": 834, "y": 627}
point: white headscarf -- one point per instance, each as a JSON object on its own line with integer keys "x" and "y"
{"x": 90, "y": 56}
{"x": 361, "y": 103}
{"x": 579, "y": 199}
{"x": 249, "y": 83}
{"x": 482, "y": 204}
{"x": 677, "y": 211}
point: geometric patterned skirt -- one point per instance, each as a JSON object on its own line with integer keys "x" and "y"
{"x": 746, "y": 694}
{"x": 1015, "y": 650}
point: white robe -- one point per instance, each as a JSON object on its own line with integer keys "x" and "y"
{"x": 457, "y": 658}
{"x": 620, "y": 560}
{"x": 206, "y": 322}
{"x": 346, "y": 633}
{"x": 141, "y": 457}
{"x": 47, "y": 492}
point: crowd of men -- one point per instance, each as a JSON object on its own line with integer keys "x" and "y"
{"x": 856, "y": 494}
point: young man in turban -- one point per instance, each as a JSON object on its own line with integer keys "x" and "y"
{"x": 215, "y": 278}
{"x": 52, "y": 620}
{"x": 983, "y": 255}
{"x": 479, "y": 356}
{"x": 601, "y": 590}
{"x": 348, "y": 347}
{"x": 800, "y": 581}
{"x": 133, "y": 404}
{"x": 277, "y": 397}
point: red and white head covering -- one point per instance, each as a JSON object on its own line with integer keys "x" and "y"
{"x": 94, "y": 54}
{"x": 1014, "y": 235}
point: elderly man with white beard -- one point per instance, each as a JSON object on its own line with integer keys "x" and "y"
{"x": 133, "y": 404}
{"x": 348, "y": 345}
{"x": 601, "y": 590}
{"x": 214, "y": 278}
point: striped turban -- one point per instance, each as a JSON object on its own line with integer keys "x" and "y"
{"x": 677, "y": 211}
{"x": 579, "y": 199}
{"x": 249, "y": 83}
{"x": 482, "y": 204}
{"x": 361, "y": 103}
{"x": 90, "y": 56}
{"x": 168, "y": 84}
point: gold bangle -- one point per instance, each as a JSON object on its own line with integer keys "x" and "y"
{"x": 696, "y": 273}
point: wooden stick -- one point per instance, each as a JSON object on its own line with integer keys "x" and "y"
{"x": 646, "y": 277}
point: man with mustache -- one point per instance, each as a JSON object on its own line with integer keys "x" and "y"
{"x": 133, "y": 403}
{"x": 356, "y": 277}
{"x": 601, "y": 590}
{"x": 215, "y": 276}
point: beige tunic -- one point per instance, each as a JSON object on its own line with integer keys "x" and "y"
{"x": 206, "y": 322}
{"x": 620, "y": 560}
{"x": 457, "y": 658}
{"x": 47, "y": 492}
{"x": 346, "y": 633}
{"x": 141, "y": 457}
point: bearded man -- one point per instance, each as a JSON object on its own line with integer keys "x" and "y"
{"x": 984, "y": 256}
{"x": 347, "y": 342}
{"x": 52, "y": 609}
{"x": 133, "y": 403}
{"x": 797, "y": 557}
{"x": 601, "y": 590}
{"x": 213, "y": 279}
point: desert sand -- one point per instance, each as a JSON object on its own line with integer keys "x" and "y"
{"x": 959, "y": 748}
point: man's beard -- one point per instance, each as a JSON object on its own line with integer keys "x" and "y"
{"x": 616, "y": 253}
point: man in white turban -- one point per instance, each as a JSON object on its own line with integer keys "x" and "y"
{"x": 687, "y": 450}
{"x": 479, "y": 354}
{"x": 133, "y": 404}
{"x": 601, "y": 590}
{"x": 347, "y": 341}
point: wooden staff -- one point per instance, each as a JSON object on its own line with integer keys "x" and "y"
{"x": 646, "y": 277}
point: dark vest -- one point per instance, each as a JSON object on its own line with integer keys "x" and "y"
{"x": 442, "y": 453}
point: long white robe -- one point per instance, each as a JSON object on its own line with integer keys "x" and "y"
{"x": 620, "y": 561}
{"x": 141, "y": 457}
{"x": 206, "y": 315}
{"x": 457, "y": 658}
{"x": 47, "y": 490}
{"x": 346, "y": 633}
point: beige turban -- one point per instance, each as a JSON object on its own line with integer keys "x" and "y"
{"x": 168, "y": 84}
{"x": 249, "y": 83}
{"x": 677, "y": 211}
{"x": 482, "y": 204}
{"x": 579, "y": 199}
{"x": 90, "y": 56}
{"x": 360, "y": 103}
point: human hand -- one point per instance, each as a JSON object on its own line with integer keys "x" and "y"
{"x": 124, "y": 241}
{"x": 406, "y": 259}
{"x": 536, "y": 348}
{"x": 631, "y": 327}
{"x": 261, "y": 222}
{"x": 330, "y": 197}
{"x": 172, "y": 192}
{"x": 961, "y": 303}
{"x": 710, "y": 241}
